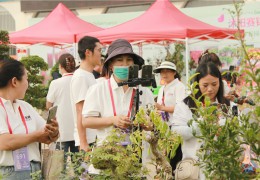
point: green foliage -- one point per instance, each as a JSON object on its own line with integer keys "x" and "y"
{"x": 36, "y": 93}
{"x": 162, "y": 140}
{"x": 221, "y": 154}
{"x": 177, "y": 56}
{"x": 4, "y": 42}
{"x": 54, "y": 69}
{"x": 222, "y": 140}
{"x": 35, "y": 175}
{"x": 116, "y": 161}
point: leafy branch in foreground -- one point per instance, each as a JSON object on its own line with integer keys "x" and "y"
{"x": 116, "y": 161}
{"x": 222, "y": 135}
{"x": 162, "y": 140}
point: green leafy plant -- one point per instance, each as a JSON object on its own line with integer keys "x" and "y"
{"x": 218, "y": 140}
{"x": 36, "y": 93}
{"x": 4, "y": 42}
{"x": 162, "y": 140}
{"x": 222, "y": 151}
{"x": 177, "y": 56}
{"x": 116, "y": 161}
{"x": 36, "y": 175}
{"x": 54, "y": 69}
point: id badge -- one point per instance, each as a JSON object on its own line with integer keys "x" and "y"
{"x": 21, "y": 159}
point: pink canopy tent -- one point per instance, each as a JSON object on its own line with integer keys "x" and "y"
{"x": 162, "y": 21}
{"x": 60, "y": 26}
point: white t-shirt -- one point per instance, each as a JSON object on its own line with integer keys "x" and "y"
{"x": 59, "y": 94}
{"x": 80, "y": 84}
{"x": 101, "y": 105}
{"x": 181, "y": 116}
{"x": 173, "y": 92}
{"x": 33, "y": 121}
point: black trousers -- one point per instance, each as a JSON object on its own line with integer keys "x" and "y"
{"x": 176, "y": 158}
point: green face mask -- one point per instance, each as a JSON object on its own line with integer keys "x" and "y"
{"x": 121, "y": 72}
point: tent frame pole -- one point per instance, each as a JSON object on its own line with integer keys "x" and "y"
{"x": 187, "y": 59}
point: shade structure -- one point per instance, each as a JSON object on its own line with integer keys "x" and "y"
{"x": 162, "y": 21}
{"x": 60, "y": 26}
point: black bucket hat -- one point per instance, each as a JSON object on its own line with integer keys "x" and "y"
{"x": 120, "y": 47}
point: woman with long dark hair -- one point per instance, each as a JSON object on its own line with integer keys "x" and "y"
{"x": 209, "y": 84}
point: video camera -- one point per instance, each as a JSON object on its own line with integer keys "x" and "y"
{"x": 147, "y": 78}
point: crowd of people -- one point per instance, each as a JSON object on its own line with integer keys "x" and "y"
{"x": 88, "y": 109}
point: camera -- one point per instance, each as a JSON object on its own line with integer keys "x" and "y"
{"x": 147, "y": 78}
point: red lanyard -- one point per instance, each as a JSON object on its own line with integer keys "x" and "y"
{"x": 68, "y": 74}
{"x": 113, "y": 103}
{"x": 163, "y": 98}
{"x": 7, "y": 119}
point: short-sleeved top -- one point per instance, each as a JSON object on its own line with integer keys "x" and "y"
{"x": 59, "y": 94}
{"x": 101, "y": 105}
{"x": 81, "y": 81}
{"x": 173, "y": 92}
{"x": 33, "y": 121}
{"x": 181, "y": 116}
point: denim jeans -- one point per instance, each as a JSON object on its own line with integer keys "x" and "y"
{"x": 67, "y": 145}
{"x": 9, "y": 173}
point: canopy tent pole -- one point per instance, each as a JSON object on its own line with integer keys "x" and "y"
{"x": 75, "y": 50}
{"x": 187, "y": 59}
{"x": 140, "y": 48}
{"x": 53, "y": 56}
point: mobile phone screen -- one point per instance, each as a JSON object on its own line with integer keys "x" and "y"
{"x": 52, "y": 113}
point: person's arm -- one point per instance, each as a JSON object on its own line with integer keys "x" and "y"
{"x": 181, "y": 116}
{"x": 48, "y": 105}
{"x": 11, "y": 142}
{"x": 81, "y": 130}
{"x": 161, "y": 107}
{"x": 102, "y": 122}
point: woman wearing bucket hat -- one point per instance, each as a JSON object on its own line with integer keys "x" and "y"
{"x": 170, "y": 93}
{"x": 111, "y": 104}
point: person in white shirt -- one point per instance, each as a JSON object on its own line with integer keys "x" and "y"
{"x": 59, "y": 95}
{"x": 170, "y": 93}
{"x": 21, "y": 127}
{"x": 111, "y": 103}
{"x": 89, "y": 49}
{"x": 209, "y": 83}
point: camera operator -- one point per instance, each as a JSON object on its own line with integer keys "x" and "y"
{"x": 111, "y": 104}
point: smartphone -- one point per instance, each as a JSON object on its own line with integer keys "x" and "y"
{"x": 147, "y": 75}
{"x": 147, "y": 71}
{"x": 52, "y": 114}
{"x": 133, "y": 72}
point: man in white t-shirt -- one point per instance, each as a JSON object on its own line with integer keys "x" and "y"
{"x": 89, "y": 49}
